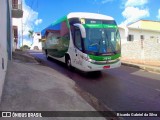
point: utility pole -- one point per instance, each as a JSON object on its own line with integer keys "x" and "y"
{"x": 22, "y": 29}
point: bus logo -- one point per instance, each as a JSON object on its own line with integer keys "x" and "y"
{"x": 6, "y": 114}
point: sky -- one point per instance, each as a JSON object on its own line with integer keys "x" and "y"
{"x": 38, "y": 14}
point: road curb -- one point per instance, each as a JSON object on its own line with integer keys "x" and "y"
{"x": 143, "y": 67}
{"x": 130, "y": 65}
{"x": 24, "y": 57}
{"x": 150, "y": 69}
{"x": 39, "y": 61}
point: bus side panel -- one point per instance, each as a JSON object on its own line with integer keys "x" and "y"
{"x": 57, "y": 42}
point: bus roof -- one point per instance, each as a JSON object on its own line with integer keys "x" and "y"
{"x": 55, "y": 26}
{"x": 89, "y": 16}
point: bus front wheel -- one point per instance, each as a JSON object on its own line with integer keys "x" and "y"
{"x": 68, "y": 63}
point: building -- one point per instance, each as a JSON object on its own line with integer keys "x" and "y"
{"x": 5, "y": 39}
{"x": 7, "y": 11}
{"x": 141, "y": 41}
{"x": 17, "y": 13}
{"x": 37, "y": 44}
{"x": 146, "y": 24}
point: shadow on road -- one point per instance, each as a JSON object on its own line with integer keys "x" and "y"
{"x": 88, "y": 75}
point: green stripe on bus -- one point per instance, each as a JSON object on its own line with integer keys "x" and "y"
{"x": 103, "y": 58}
{"x": 99, "y": 26}
{"x": 60, "y": 20}
{"x": 109, "y": 26}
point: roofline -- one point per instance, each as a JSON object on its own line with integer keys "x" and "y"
{"x": 143, "y": 29}
{"x": 150, "y": 20}
{"x": 142, "y": 20}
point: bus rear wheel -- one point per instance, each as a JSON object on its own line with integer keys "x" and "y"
{"x": 47, "y": 54}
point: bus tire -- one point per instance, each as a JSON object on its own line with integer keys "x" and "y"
{"x": 68, "y": 62}
{"x": 47, "y": 54}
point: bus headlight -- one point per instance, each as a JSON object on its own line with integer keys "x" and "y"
{"x": 90, "y": 60}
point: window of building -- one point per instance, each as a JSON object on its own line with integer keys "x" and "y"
{"x": 15, "y": 33}
{"x": 15, "y": 4}
{"x": 130, "y": 38}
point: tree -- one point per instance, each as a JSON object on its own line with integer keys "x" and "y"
{"x": 25, "y": 47}
{"x": 30, "y": 35}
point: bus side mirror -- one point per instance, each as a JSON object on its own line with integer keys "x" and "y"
{"x": 82, "y": 29}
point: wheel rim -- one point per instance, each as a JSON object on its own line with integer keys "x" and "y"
{"x": 69, "y": 63}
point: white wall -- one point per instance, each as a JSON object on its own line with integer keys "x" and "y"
{"x": 147, "y": 34}
{"x": 36, "y": 41}
{"x": 3, "y": 42}
{"x": 147, "y": 49}
{"x": 123, "y": 35}
{"x": 137, "y": 33}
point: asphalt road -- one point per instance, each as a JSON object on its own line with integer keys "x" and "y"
{"x": 121, "y": 89}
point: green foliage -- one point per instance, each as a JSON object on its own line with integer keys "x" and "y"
{"x": 30, "y": 35}
{"x": 25, "y": 47}
{"x": 31, "y": 32}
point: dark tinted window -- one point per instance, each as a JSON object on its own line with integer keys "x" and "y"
{"x": 109, "y": 22}
{"x": 73, "y": 21}
{"x": 94, "y": 21}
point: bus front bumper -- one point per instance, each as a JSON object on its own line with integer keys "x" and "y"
{"x": 87, "y": 66}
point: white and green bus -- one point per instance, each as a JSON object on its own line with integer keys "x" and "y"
{"x": 86, "y": 41}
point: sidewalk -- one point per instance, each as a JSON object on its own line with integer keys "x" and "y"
{"x": 33, "y": 87}
{"x": 147, "y": 67}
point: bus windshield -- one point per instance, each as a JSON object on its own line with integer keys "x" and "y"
{"x": 102, "y": 41}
